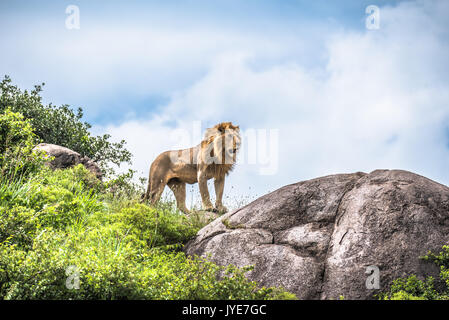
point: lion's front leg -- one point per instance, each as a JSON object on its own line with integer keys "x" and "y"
{"x": 219, "y": 187}
{"x": 205, "y": 198}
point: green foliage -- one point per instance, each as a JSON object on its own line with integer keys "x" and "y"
{"x": 108, "y": 271}
{"x": 53, "y": 222}
{"x": 154, "y": 226}
{"x": 47, "y": 200}
{"x": 412, "y": 288}
{"x": 120, "y": 248}
{"x": 16, "y": 146}
{"x": 404, "y": 295}
{"x": 123, "y": 186}
{"x": 61, "y": 125}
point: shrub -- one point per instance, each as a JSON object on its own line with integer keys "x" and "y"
{"x": 108, "y": 271}
{"x": 119, "y": 249}
{"x": 123, "y": 186}
{"x": 47, "y": 200}
{"x": 412, "y": 288}
{"x": 155, "y": 226}
{"x": 17, "y": 140}
{"x": 61, "y": 125}
{"x": 53, "y": 222}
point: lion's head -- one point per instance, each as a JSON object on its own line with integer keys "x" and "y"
{"x": 221, "y": 144}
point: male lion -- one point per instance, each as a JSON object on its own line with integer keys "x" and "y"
{"x": 214, "y": 158}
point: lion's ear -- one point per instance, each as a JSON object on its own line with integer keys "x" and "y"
{"x": 221, "y": 127}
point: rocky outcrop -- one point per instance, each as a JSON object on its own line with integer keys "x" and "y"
{"x": 317, "y": 238}
{"x": 65, "y": 158}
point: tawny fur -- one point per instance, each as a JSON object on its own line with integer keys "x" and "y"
{"x": 213, "y": 158}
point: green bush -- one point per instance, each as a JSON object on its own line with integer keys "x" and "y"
{"x": 109, "y": 270}
{"x": 120, "y": 249}
{"x": 47, "y": 200}
{"x": 66, "y": 235}
{"x": 61, "y": 125}
{"x": 154, "y": 226}
{"x": 17, "y": 140}
{"x": 412, "y": 288}
{"x": 123, "y": 187}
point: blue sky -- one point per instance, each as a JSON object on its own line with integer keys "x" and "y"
{"x": 343, "y": 98}
{"x": 62, "y": 59}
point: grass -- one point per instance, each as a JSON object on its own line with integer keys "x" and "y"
{"x": 228, "y": 225}
{"x": 122, "y": 249}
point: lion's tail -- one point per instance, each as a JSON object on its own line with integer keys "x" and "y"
{"x": 146, "y": 195}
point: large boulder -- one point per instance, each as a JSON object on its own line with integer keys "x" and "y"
{"x": 66, "y": 158}
{"x": 317, "y": 238}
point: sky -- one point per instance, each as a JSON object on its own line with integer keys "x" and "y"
{"x": 315, "y": 91}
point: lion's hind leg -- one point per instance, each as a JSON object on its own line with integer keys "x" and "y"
{"x": 179, "y": 190}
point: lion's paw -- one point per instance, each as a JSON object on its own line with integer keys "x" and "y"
{"x": 209, "y": 208}
{"x": 221, "y": 209}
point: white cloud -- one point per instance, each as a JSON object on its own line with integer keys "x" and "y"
{"x": 100, "y": 62}
{"x": 381, "y": 101}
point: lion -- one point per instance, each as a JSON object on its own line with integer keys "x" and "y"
{"x": 214, "y": 158}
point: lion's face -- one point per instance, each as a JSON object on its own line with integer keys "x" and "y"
{"x": 225, "y": 142}
{"x": 230, "y": 143}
